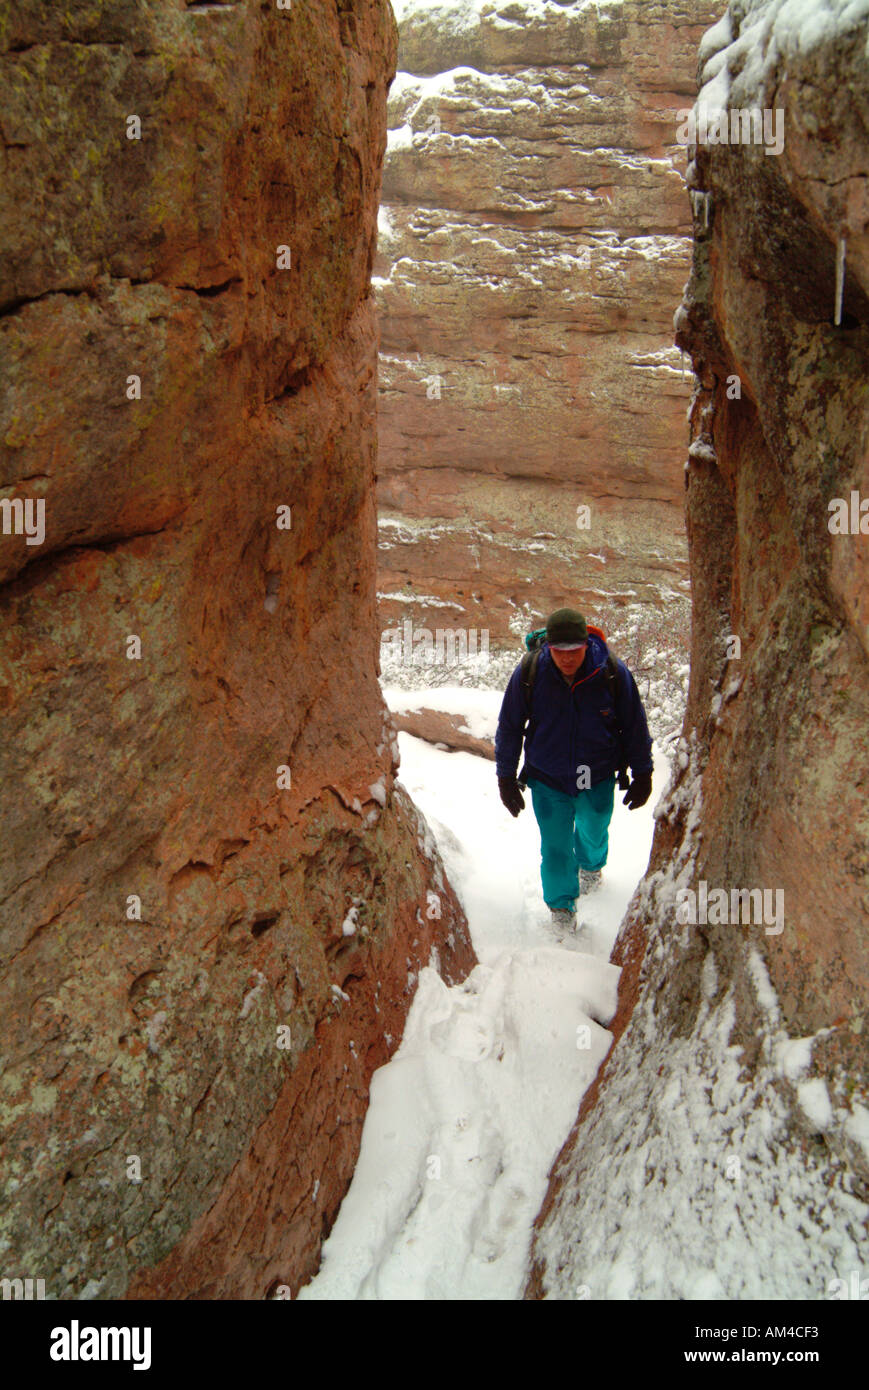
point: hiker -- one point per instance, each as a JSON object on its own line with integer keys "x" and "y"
{"x": 586, "y": 723}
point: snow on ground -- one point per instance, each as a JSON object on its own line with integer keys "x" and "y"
{"x": 466, "y": 1119}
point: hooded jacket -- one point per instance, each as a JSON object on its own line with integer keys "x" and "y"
{"x": 572, "y": 725}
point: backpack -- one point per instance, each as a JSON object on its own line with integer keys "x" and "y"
{"x": 528, "y": 674}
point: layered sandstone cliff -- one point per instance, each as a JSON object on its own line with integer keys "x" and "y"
{"x": 535, "y": 235}
{"x": 196, "y": 766}
{"x": 724, "y": 1150}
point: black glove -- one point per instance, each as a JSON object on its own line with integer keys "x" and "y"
{"x": 638, "y": 792}
{"x": 511, "y": 795}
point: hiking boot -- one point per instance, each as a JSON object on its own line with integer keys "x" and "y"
{"x": 564, "y": 918}
{"x": 590, "y": 879}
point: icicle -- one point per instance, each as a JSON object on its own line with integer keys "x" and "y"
{"x": 700, "y": 203}
{"x": 682, "y": 355}
{"x": 840, "y": 280}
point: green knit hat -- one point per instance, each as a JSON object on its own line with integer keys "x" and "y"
{"x": 566, "y": 628}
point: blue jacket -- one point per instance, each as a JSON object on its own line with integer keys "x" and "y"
{"x": 572, "y": 726}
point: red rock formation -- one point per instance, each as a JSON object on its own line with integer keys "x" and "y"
{"x": 738, "y": 1041}
{"x": 187, "y": 346}
{"x": 535, "y": 238}
{"x": 447, "y": 730}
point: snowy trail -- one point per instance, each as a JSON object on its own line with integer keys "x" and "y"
{"x": 467, "y": 1117}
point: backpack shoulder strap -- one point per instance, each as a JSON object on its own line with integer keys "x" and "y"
{"x": 611, "y": 676}
{"x": 528, "y": 675}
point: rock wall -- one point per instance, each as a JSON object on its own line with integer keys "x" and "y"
{"x": 535, "y": 237}
{"x": 196, "y": 768}
{"x": 724, "y": 1150}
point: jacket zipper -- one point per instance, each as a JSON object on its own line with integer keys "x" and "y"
{"x": 574, "y": 749}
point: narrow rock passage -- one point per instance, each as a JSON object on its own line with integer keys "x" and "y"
{"x": 466, "y": 1119}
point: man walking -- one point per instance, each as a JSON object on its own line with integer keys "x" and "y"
{"x": 585, "y": 721}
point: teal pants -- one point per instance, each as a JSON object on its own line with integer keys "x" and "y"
{"x": 574, "y": 835}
